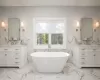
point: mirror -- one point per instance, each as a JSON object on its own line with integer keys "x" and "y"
{"x": 86, "y": 29}
{"x": 14, "y": 29}
{"x": 96, "y": 35}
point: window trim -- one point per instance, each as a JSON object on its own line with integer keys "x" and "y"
{"x": 46, "y": 46}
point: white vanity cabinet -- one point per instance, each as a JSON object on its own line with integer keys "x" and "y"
{"x": 13, "y": 56}
{"x": 86, "y": 56}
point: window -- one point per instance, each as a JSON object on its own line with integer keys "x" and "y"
{"x": 42, "y": 39}
{"x": 57, "y": 39}
{"x": 49, "y": 31}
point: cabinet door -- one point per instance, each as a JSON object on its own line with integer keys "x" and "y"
{"x": 97, "y": 57}
{"x": 2, "y": 58}
{"x": 89, "y": 57}
{"x": 10, "y": 58}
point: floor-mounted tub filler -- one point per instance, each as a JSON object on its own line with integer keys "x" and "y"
{"x": 49, "y": 61}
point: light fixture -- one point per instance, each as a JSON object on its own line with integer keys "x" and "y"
{"x": 22, "y": 24}
{"x": 97, "y": 24}
{"x": 3, "y": 24}
{"x": 77, "y": 24}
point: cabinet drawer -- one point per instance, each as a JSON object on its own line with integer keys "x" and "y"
{"x": 17, "y": 63}
{"x": 83, "y": 54}
{"x": 17, "y": 58}
{"x": 17, "y": 53}
{"x": 82, "y": 58}
{"x": 17, "y": 49}
{"x": 82, "y": 49}
{"x": 5, "y": 49}
{"x": 82, "y": 63}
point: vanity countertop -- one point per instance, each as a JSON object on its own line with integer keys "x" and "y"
{"x": 12, "y": 46}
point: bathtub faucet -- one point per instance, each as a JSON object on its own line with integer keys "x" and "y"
{"x": 49, "y": 47}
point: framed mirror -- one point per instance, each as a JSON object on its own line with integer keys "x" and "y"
{"x": 13, "y": 29}
{"x": 96, "y": 35}
{"x": 86, "y": 29}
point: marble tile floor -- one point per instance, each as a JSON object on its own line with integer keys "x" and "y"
{"x": 70, "y": 72}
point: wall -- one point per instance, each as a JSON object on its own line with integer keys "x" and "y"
{"x": 49, "y": 2}
{"x": 27, "y": 14}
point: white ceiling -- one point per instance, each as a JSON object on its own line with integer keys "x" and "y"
{"x": 49, "y": 2}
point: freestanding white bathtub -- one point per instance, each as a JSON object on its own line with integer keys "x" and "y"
{"x": 49, "y": 61}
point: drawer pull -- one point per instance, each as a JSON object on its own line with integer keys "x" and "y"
{"x": 82, "y": 62}
{"x": 17, "y": 53}
{"x": 16, "y": 58}
{"x": 16, "y": 49}
{"x": 83, "y": 49}
{"x": 94, "y": 49}
{"x": 83, "y": 54}
{"x": 82, "y": 58}
{"x": 5, "y": 54}
{"x": 16, "y": 62}
{"x": 5, "y": 49}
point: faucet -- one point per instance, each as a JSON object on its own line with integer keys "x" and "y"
{"x": 49, "y": 47}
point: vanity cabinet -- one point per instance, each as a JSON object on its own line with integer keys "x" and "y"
{"x": 13, "y": 56}
{"x": 86, "y": 56}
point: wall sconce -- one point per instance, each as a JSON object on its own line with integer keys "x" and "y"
{"x": 22, "y": 24}
{"x": 77, "y": 24}
{"x": 3, "y": 24}
{"x": 97, "y": 24}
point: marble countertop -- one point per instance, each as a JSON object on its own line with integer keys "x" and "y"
{"x": 12, "y": 45}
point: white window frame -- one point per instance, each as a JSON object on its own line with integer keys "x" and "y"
{"x": 46, "y": 46}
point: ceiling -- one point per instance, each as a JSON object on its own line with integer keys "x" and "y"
{"x": 49, "y": 2}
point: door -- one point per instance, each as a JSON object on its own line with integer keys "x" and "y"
{"x": 97, "y": 57}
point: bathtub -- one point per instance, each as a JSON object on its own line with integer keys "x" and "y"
{"x": 49, "y": 61}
